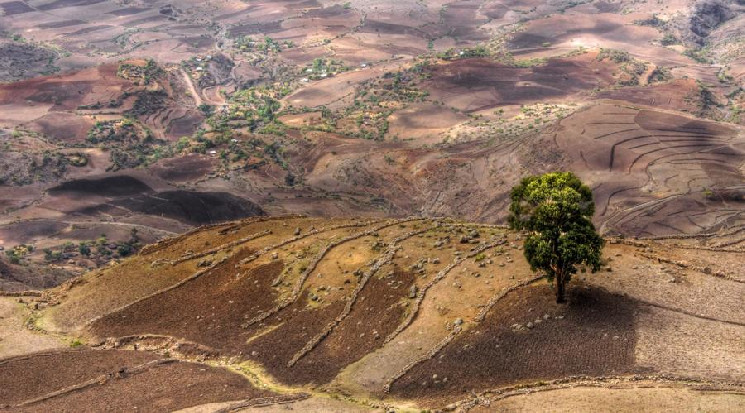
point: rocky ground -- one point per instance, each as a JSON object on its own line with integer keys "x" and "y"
{"x": 395, "y": 313}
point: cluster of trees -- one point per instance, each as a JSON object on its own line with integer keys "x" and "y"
{"x": 100, "y": 247}
{"x": 16, "y": 254}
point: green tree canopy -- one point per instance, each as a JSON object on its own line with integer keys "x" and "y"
{"x": 556, "y": 210}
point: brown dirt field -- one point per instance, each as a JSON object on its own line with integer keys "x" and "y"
{"x": 379, "y": 310}
{"x": 153, "y": 389}
{"x": 293, "y": 328}
{"x": 15, "y": 7}
{"x": 104, "y": 292}
{"x": 595, "y": 336}
{"x": 423, "y": 121}
{"x": 683, "y": 345}
{"x": 674, "y": 95}
{"x": 194, "y": 208}
{"x": 184, "y": 125}
{"x": 719, "y": 263}
{"x": 478, "y": 84}
{"x": 21, "y": 379}
{"x": 226, "y": 303}
{"x": 18, "y": 233}
{"x": 208, "y": 310}
{"x": 211, "y": 237}
{"x": 626, "y": 400}
{"x": 458, "y": 294}
{"x": 66, "y": 92}
{"x": 671, "y": 287}
{"x": 465, "y": 11}
{"x": 650, "y": 170}
{"x": 177, "y": 319}
{"x": 614, "y": 31}
{"x": 302, "y": 321}
{"x": 121, "y": 185}
{"x": 62, "y": 127}
{"x": 184, "y": 169}
{"x": 13, "y": 114}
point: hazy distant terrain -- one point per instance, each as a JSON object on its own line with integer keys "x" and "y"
{"x": 359, "y": 108}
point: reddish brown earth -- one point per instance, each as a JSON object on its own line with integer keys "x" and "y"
{"x": 594, "y": 336}
{"x": 22, "y": 382}
{"x": 651, "y": 171}
{"x": 115, "y": 380}
{"x": 380, "y": 312}
{"x": 467, "y": 322}
{"x": 186, "y": 169}
{"x": 198, "y": 311}
{"x": 675, "y": 95}
{"x": 294, "y": 327}
{"x": 558, "y": 80}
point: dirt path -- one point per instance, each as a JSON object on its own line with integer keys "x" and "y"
{"x": 212, "y": 96}
{"x": 193, "y": 90}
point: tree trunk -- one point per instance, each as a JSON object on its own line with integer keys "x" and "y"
{"x": 560, "y": 288}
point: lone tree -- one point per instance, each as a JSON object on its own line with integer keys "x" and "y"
{"x": 556, "y": 209}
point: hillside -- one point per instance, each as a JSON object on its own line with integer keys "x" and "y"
{"x": 364, "y": 314}
{"x": 241, "y": 205}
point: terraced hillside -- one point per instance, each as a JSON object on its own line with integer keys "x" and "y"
{"x": 363, "y": 314}
{"x": 656, "y": 173}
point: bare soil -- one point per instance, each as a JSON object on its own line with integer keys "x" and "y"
{"x": 195, "y": 208}
{"x": 484, "y": 325}
{"x": 378, "y": 313}
{"x": 623, "y": 400}
{"x": 125, "y": 382}
{"x": 109, "y": 186}
{"x": 212, "y": 316}
{"x": 488, "y": 84}
{"x": 22, "y": 382}
{"x": 595, "y": 335}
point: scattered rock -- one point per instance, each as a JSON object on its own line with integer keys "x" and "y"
{"x": 412, "y": 291}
